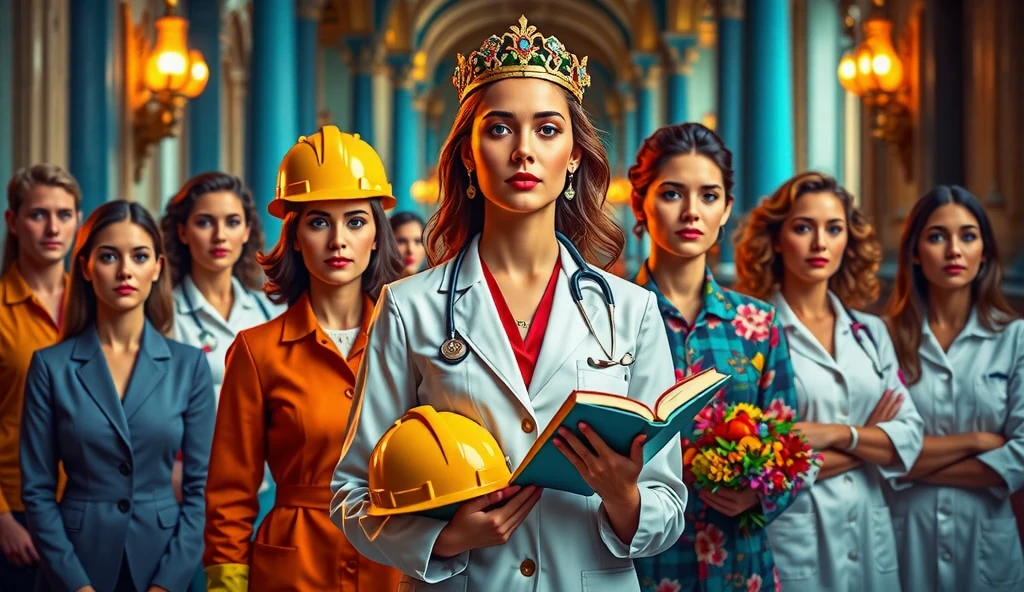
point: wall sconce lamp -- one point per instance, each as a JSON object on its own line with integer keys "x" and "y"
{"x": 620, "y": 190}
{"x": 425, "y": 191}
{"x": 875, "y": 72}
{"x": 160, "y": 80}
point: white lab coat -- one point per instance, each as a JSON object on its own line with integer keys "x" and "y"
{"x": 246, "y": 312}
{"x": 953, "y": 538}
{"x": 838, "y": 534}
{"x": 567, "y": 536}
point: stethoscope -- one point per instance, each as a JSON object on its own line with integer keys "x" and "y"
{"x": 208, "y": 340}
{"x": 454, "y": 349}
{"x": 856, "y": 328}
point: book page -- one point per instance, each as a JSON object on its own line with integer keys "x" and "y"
{"x": 616, "y": 402}
{"x": 678, "y": 395}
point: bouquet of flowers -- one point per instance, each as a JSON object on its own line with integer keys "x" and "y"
{"x": 739, "y": 445}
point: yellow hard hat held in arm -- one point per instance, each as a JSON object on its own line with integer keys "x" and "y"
{"x": 330, "y": 165}
{"x": 429, "y": 461}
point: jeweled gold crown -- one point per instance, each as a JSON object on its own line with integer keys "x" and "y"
{"x": 521, "y": 53}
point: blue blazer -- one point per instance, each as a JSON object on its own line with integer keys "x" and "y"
{"x": 118, "y": 457}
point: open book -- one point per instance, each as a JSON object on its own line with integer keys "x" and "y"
{"x": 617, "y": 420}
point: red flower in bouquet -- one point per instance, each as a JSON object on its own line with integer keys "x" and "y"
{"x": 738, "y": 446}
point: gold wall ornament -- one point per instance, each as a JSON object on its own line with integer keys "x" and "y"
{"x": 159, "y": 81}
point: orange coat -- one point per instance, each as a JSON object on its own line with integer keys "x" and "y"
{"x": 285, "y": 401}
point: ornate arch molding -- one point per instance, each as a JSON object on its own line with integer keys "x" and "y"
{"x": 585, "y": 31}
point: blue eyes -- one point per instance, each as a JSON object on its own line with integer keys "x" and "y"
{"x": 322, "y": 223}
{"x": 834, "y": 230}
{"x": 206, "y": 223}
{"x": 547, "y": 130}
{"x": 672, "y": 195}
{"x": 111, "y": 257}
{"x": 938, "y": 237}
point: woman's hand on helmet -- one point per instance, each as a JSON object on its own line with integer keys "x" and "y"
{"x": 480, "y": 522}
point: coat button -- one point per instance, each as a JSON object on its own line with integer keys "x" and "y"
{"x": 352, "y": 564}
{"x": 852, "y": 555}
{"x": 124, "y": 505}
{"x": 349, "y": 393}
{"x": 528, "y": 426}
{"x": 125, "y": 468}
{"x": 528, "y": 567}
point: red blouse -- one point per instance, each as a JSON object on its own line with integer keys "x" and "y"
{"x": 527, "y": 351}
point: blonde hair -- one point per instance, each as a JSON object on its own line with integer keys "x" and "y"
{"x": 23, "y": 180}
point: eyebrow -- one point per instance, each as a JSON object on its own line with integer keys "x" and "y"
{"x": 537, "y": 115}
{"x": 115, "y": 249}
{"x": 683, "y": 185}
{"x": 945, "y": 229}
{"x": 348, "y": 214}
{"x": 809, "y": 219}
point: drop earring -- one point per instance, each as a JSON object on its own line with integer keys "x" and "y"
{"x": 569, "y": 191}
{"x": 471, "y": 189}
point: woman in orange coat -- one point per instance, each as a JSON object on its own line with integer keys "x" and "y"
{"x": 288, "y": 383}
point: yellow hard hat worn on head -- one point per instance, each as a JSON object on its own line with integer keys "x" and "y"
{"x": 430, "y": 459}
{"x": 329, "y": 165}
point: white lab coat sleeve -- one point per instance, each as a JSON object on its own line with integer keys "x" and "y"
{"x": 662, "y": 492}
{"x": 1008, "y": 459}
{"x": 385, "y": 390}
{"x": 906, "y": 430}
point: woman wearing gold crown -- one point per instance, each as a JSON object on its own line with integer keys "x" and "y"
{"x": 499, "y": 332}
{"x": 288, "y": 382}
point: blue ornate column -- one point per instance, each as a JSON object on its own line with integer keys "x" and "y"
{"x": 405, "y": 132}
{"x": 682, "y": 55}
{"x": 432, "y": 132}
{"x": 628, "y": 146}
{"x": 204, "y": 145}
{"x": 362, "y": 50}
{"x": 647, "y": 67}
{"x": 306, "y": 36}
{"x": 273, "y": 122}
{"x": 824, "y": 93}
{"x": 92, "y": 115}
{"x": 729, "y": 119}
{"x": 768, "y": 98}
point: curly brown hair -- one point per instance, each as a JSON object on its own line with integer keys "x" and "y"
{"x": 179, "y": 208}
{"x": 759, "y": 269}
{"x": 584, "y": 219}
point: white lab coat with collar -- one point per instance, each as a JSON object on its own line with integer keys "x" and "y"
{"x": 838, "y": 534}
{"x": 953, "y": 538}
{"x": 567, "y": 536}
{"x": 248, "y": 310}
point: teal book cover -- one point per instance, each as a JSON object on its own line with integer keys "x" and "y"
{"x": 617, "y": 420}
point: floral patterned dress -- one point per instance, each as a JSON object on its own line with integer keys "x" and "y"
{"x": 740, "y": 336}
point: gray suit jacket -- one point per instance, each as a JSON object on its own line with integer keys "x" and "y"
{"x": 118, "y": 458}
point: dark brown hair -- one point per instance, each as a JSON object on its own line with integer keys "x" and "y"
{"x": 288, "y": 277}
{"x": 759, "y": 269}
{"x": 583, "y": 219}
{"x": 905, "y": 311}
{"x": 80, "y": 302}
{"x": 23, "y": 180}
{"x": 668, "y": 142}
{"x": 179, "y": 208}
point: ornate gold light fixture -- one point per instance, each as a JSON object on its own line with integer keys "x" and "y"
{"x": 425, "y": 191}
{"x": 619, "y": 191}
{"x": 875, "y": 72}
{"x": 160, "y": 81}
